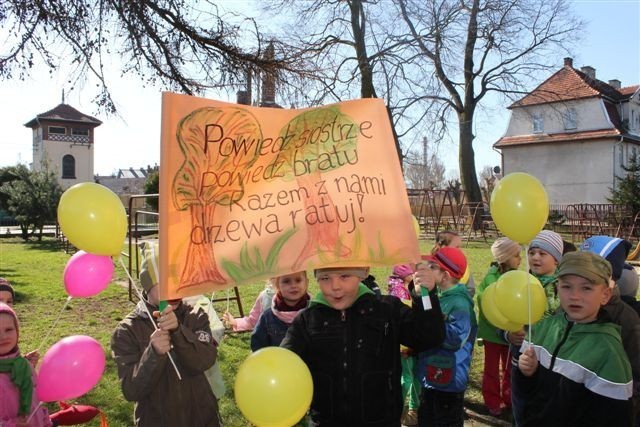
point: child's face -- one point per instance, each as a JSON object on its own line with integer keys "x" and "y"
{"x": 541, "y": 262}
{"x": 580, "y": 298}
{"x": 8, "y": 333}
{"x": 5, "y": 297}
{"x": 340, "y": 290}
{"x": 438, "y": 273}
{"x": 514, "y": 262}
{"x": 293, "y": 287}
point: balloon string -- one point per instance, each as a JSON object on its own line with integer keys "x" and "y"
{"x": 55, "y": 322}
{"x": 528, "y": 292}
{"x": 35, "y": 410}
{"x": 155, "y": 327}
{"x": 210, "y": 302}
{"x": 228, "y": 300}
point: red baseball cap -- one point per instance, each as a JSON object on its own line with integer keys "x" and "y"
{"x": 449, "y": 259}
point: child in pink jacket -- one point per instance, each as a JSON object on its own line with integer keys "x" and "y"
{"x": 17, "y": 379}
{"x": 247, "y": 323}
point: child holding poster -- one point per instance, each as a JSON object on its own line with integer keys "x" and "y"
{"x": 349, "y": 339}
{"x": 141, "y": 353}
{"x": 444, "y": 371}
{"x": 451, "y": 239}
{"x": 291, "y": 297}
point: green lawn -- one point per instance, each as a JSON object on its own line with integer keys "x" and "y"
{"x": 35, "y": 270}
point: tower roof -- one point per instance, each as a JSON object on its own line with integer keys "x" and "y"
{"x": 64, "y": 113}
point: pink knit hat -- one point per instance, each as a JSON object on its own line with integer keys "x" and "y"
{"x": 4, "y": 308}
{"x": 402, "y": 270}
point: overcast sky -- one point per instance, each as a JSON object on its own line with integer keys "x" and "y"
{"x": 611, "y": 45}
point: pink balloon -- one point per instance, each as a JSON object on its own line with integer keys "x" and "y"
{"x": 87, "y": 274}
{"x": 70, "y": 368}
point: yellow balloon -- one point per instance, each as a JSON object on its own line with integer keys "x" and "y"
{"x": 273, "y": 388}
{"x": 492, "y": 312}
{"x": 512, "y": 296}
{"x": 93, "y": 219}
{"x": 519, "y": 206}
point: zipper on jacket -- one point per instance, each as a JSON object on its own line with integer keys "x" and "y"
{"x": 343, "y": 315}
{"x": 557, "y": 349}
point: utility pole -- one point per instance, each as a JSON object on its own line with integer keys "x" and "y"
{"x": 425, "y": 162}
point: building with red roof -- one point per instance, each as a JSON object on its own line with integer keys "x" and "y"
{"x": 574, "y": 133}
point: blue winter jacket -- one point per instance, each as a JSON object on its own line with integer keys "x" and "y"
{"x": 447, "y": 368}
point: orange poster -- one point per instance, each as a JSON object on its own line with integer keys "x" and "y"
{"x": 248, "y": 193}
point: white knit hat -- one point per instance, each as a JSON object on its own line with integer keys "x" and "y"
{"x": 503, "y": 249}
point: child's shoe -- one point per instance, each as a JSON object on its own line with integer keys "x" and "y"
{"x": 496, "y": 412}
{"x": 410, "y": 418}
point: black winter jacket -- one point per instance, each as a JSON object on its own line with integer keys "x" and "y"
{"x": 354, "y": 355}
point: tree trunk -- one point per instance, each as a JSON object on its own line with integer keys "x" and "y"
{"x": 468, "y": 166}
{"x": 367, "y": 88}
{"x": 200, "y": 264}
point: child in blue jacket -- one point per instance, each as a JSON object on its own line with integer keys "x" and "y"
{"x": 444, "y": 371}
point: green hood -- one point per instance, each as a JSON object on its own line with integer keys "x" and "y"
{"x": 320, "y": 299}
{"x": 456, "y": 298}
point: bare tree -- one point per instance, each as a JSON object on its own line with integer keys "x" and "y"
{"x": 476, "y": 47}
{"x": 424, "y": 169}
{"x": 187, "y": 46}
{"x": 434, "y": 61}
{"x": 355, "y": 55}
{"x": 487, "y": 182}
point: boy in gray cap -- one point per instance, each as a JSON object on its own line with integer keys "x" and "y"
{"x": 575, "y": 370}
{"x": 349, "y": 338}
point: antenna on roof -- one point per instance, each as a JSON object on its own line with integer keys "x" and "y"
{"x": 63, "y": 96}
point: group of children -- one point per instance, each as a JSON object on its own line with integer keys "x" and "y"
{"x": 579, "y": 366}
{"x": 405, "y": 356}
{"x": 371, "y": 356}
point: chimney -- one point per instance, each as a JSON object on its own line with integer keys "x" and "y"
{"x": 615, "y": 83}
{"x": 242, "y": 97}
{"x": 568, "y": 62}
{"x": 268, "y": 80}
{"x": 589, "y": 71}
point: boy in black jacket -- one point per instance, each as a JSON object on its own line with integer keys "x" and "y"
{"x": 349, "y": 339}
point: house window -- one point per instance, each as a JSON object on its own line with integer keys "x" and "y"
{"x": 538, "y": 123}
{"x": 621, "y": 155}
{"x": 68, "y": 167}
{"x": 79, "y": 131}
{"x": 59, "y": 130}
{"x": 570, "y": 119}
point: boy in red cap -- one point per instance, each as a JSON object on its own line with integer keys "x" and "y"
{"x": 444, "y": 371}
{"x": 349, "y": 339}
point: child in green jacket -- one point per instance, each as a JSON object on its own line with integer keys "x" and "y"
{"x": 575, "y": 371}
{"x": 506, "y": 254}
